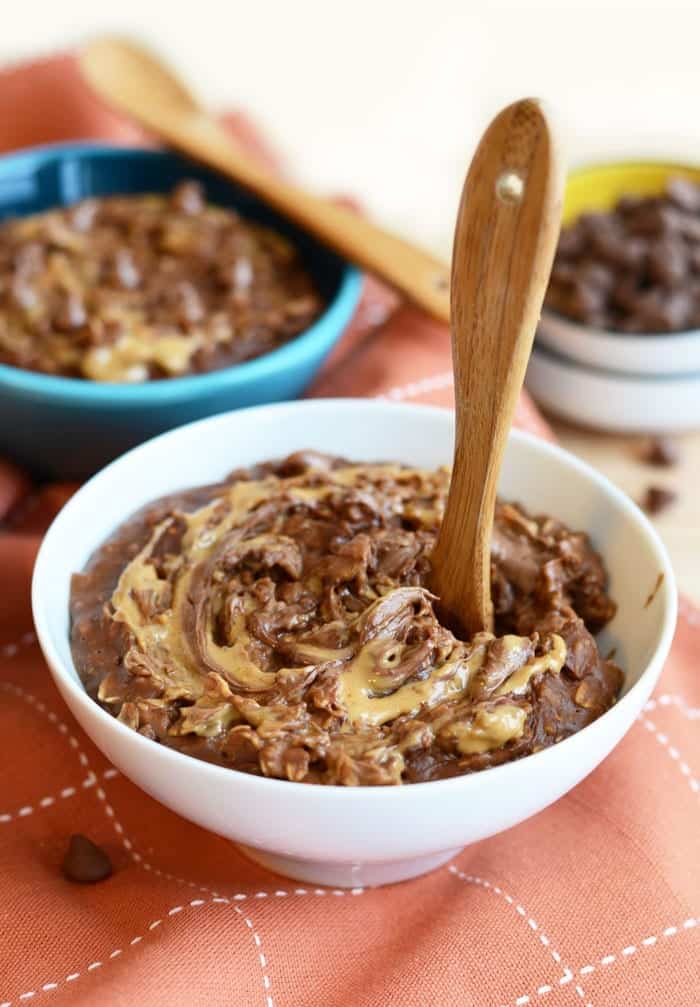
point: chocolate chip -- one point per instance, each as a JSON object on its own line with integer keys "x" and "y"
{"x": 190, "y": 307}
{"x": 657, "y": 499}
{"x": 82, "y": 216}
{"x": 598, "y": 276}
{"x": 242, "y": 274}
{"x": 125, "y": 269}
{"x": 609, "y": 248}
{"x": 689, "y": 227}
{"x": 628, "y": 204}
{"x": 634, "y": 252}
{"x": 667, "y": 262}
{"x": 572, "y": 243}
{"x": 634, "y": 268}
{"x": 653, "y": 220}
{"x": 85, "y": 862}
{"x": 70, "y": 314}
{"x": 626, "y": 292}
{"x": 584, "y": 300}
{"x": 188, "y": 197}
{"x": 29, "y": 259}
{"x": 684, "y": 194}
{"x": 661, "y": 451}
{"x": 677, "y": 311}
{"x": 563, "y": 272}
{"x": 22, "y": 294}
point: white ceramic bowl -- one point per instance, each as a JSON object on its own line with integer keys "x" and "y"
{"x": 672, "y": 353}
{"x": 607, "y": 400}
{"x": 359, "y": 836}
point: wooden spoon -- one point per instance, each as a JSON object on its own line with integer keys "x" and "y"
{"x": 504, "y": 244}
{"x": 137, "y": 83}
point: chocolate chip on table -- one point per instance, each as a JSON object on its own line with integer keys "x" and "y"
{"x": 85, "y": 862}
{"x": 661, "y": 451}
{"x": 658, "y": 498}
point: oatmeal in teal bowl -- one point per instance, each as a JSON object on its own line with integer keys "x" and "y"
{"x": 139, "y": 292}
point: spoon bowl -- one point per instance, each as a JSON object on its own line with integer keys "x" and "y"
{"x": 121, "y": 69}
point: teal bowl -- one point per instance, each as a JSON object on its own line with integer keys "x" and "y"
{"x": 68, "y": 428}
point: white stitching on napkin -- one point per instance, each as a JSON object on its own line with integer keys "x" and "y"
{"x": 608, "y": 960}
{"x": 689, "y": 611}
{"x": 673, "y": 754}
{"x": 674, "y": 700}
{"x": 45, "y": 802}
{"x": 567, "y": 975}
{"x": 176, "y": 910}
{"x": 261, "y": 957}
{"x": 73, "y": 742}
{"x": 150, "y": 927}
{"x": 414, "y": 389}
{"x": 9, "y": 650}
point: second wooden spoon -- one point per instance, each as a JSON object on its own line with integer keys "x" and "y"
{"x": 132, "y": 79}
{"x": 506, "y": 235}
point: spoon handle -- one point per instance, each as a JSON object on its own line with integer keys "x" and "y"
{"x": 421, "y": 277}
{"x": 504, "y": 244}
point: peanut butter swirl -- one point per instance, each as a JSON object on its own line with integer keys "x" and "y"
{"x": 279, "y": 623}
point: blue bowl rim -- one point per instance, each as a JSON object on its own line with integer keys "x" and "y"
{"x": 294, "y": 353}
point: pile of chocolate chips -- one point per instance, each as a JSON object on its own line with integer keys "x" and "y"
{"x": 634, "y": 269}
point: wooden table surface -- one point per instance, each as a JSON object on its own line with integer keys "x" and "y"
{"x": 620, "y": 458}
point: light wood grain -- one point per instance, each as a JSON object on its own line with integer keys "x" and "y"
{"x": 621, "y": 458}
{"x": 503, "y": 249}
{"x": 134, "y": 81}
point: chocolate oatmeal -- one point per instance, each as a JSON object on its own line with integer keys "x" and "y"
{"x": 131, "y": 288}
{"x": 279, "y": 623}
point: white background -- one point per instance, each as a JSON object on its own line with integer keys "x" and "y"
{"x": 386, "y": 98}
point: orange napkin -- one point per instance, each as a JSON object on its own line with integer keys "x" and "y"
{"x": 595, "y": 902}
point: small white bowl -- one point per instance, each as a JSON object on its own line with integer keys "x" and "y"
{"x": 610, "y": 401}
{"x": 359, "y": 836}
{"x": 672, "y": 353}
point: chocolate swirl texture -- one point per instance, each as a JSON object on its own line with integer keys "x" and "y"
{"x": 280, "y": 623}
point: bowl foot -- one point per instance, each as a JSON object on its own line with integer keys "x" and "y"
{"x": 347, "y": 875}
